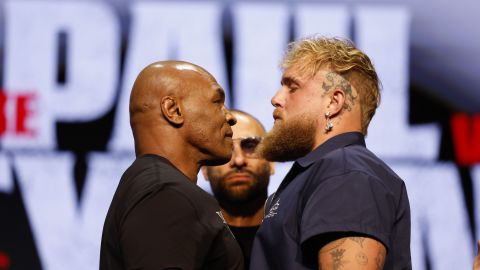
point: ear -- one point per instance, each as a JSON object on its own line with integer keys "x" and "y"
{"x": 204, "y": 173}
{"x": 272, "y": 168}
{"x": 171, "y": 110}
{"x": 337, "y": 101}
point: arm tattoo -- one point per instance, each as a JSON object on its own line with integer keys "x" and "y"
{"x": 359, "y": 240}
{"x": 379, "y": 260}
{"x": 337, "y": 256}
{"x": 361, "y": 258}
{"x": 333, "y": 245}
{"x": 334, "y": 80}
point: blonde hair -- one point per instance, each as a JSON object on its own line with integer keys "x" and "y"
{"x": 311, "y": 54}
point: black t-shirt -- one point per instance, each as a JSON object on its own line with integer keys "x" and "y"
{"x": 340, "y": 188}
{"x": 159, "y": 219}
{"x": 244, "y": 237}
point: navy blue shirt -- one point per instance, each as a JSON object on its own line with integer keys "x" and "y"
{"x": 340, "y": 187}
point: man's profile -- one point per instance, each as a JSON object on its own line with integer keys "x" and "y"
{"x": 159, "y": 218}
{"x": 339, "y": 206}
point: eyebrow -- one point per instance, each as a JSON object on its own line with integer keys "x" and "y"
{"x": 221, "y": 93}
{"x": 288, "y": 80}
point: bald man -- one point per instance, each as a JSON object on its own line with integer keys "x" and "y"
{"x": 241, "y": 185}
{"x": 159, "y": 218}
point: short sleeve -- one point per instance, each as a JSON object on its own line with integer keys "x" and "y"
{"x": 349, "y": 203}
{"x": 163, "y": 232}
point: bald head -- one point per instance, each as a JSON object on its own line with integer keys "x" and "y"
{"x": 177, "y": 110}
{"x": 161, "y": 79}
{"x": 246, "y": 121}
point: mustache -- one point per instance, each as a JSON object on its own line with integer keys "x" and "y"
{"x": 276, "y": 113}
{"x": 234, "y": 171}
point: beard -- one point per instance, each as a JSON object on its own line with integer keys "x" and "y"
{"x": 289, "y": 139}
{"x": 247, "y": 201}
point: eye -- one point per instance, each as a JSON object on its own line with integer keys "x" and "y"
{"x": 292, "y": 87}
{"x": 249, "y": 145}
{"x": 218, "y": 100}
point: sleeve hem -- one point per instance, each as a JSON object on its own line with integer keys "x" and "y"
{"x": 380, "y": 236}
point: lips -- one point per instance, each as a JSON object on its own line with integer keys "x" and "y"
{"x": 229, "y": 132}
{"x": 276, "y": 114}
{"x": 229, "y": 135}
{"x": 239, "y": 178}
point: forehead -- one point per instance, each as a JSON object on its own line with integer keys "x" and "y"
{"x": 295, "y": 74}
{"x": 246, "y": 126}
{"x": 291, "y": 73}
{"x": 203, "y": 85}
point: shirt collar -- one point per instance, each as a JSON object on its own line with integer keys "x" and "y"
{"x": 338, "y": 141}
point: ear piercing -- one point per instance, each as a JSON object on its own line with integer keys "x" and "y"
{"x": 329, "y": 125}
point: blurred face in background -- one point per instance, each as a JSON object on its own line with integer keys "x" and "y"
{"x": 245, "y": 177}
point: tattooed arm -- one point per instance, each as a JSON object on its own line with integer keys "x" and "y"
{"x": 352, "y": 253}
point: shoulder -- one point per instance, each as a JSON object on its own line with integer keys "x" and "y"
{"x": 165, "y": 202}
{"x": 146, "y": 175}
{"x": 154, "y": 179}
{"x": 357, "y": 163}
{"x": 355, "y": 202}
{"x": 153, "y": 170}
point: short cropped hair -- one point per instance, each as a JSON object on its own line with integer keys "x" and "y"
{"x": 249, "y": 115}
{"x": 311, "y": 54}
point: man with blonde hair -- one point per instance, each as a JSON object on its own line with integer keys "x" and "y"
{"x": 339, "y": 206}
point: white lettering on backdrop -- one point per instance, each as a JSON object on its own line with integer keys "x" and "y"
{"x": 31, "y": 40}
{"x": 161, "y": 31}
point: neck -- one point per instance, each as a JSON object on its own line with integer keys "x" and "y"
{"x": 244, "y": 221}
{"x": 244, "y": 214}
{"x": 190, "y": 169}
{"x": 323, "y": 136}
{"x": 171, "y": 148}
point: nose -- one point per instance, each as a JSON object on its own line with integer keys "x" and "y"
{"x": 278, "y": 99}
{"x": 231, "y": 120}
{"x": 238, "y": 159}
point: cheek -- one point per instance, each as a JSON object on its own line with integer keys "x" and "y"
{"x": 296, "y": 105}
{"x": 259, "y": 166}
{"x": 206, "y": 123}
{"x": 219, "y": 171}
{"x": 199, "y": 130}
{"x": 310, "y": 104}
{"x": 214, "y": 121}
